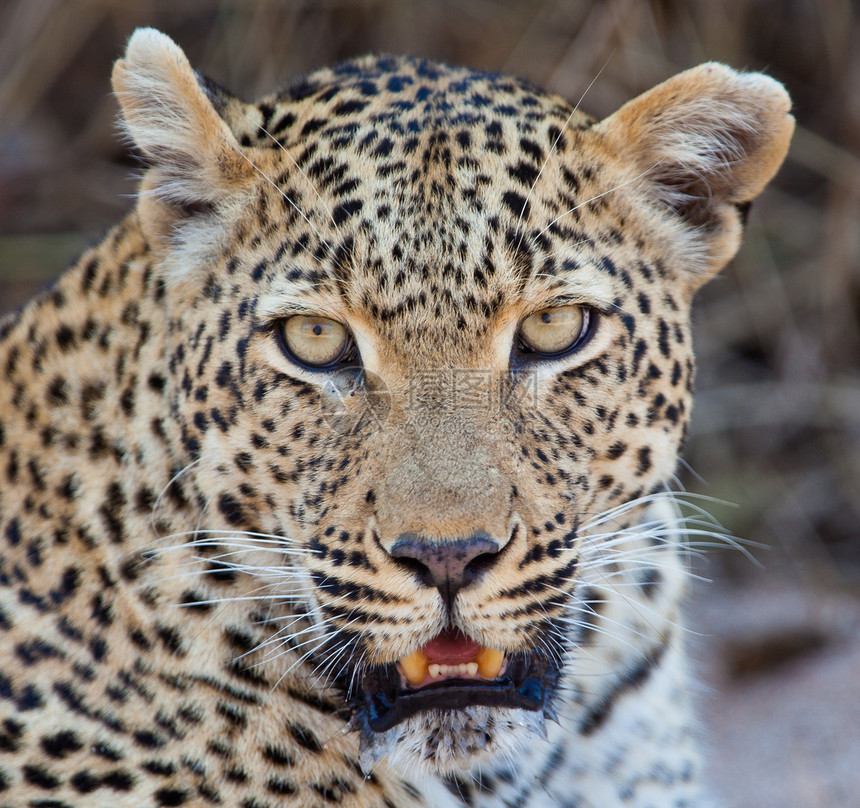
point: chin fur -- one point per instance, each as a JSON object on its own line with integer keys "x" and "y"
{"x": 444, "y": 742}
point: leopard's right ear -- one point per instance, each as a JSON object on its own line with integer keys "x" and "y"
{"x": 703, "y": 144}
{"x": 168, "y": 111}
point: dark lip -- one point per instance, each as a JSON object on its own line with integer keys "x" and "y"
{"x": 528, "y": 683}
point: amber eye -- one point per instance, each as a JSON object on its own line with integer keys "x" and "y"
{"x": 315, "y": 342}
{"x": 556, "y": 331}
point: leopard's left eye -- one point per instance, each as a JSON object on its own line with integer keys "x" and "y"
{"x": 316, "y": 343}
{"x": 557, "y": 331}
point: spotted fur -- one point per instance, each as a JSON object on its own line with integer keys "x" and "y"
{"x": 195, "y": 532}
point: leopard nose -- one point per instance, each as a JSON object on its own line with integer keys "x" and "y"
{"x": 449, "y": 565}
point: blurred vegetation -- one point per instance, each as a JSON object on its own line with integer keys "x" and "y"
{"x": 777, "y": 422}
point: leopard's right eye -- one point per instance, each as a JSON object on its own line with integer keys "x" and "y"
{"x": 556, "y": 331}
{"x": 314, "y": 342}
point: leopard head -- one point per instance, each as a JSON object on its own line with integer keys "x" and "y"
{"x": 427, "y": 329}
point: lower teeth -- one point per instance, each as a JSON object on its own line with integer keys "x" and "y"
{"x": 463, "y": 669}
{"x": 488, "y": 663}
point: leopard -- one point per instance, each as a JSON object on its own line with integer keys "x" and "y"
{"x": 342, "y": 469}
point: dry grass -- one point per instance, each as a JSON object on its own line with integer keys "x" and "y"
{"x": 777, "y": 424}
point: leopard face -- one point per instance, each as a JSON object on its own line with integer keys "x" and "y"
{"x": 412, "y": 365}
{"x": 425, "y": 325}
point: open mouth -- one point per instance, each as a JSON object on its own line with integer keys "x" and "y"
{"x": 452, "y": 672}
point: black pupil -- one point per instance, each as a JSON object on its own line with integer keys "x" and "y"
{"x": 546, "y": 317}
{"x": 317, "y": 329}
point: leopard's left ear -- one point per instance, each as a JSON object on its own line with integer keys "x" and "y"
{"x": 705, "y": 143}
{"x": 170, "y": 113}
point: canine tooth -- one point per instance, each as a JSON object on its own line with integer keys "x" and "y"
{"x": 435, "y": 670}
{"x": 490, "y": 661}
{"x": 414, "y": 667}
{"x": 472, "y": 669}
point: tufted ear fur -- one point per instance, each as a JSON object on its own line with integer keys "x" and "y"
{"x": 706, "y": 142}
{"x": 168, "y": 111}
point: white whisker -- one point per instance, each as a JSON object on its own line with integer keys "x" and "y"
{"x": 170, "y": 482}
{"x": 593, "y": 199}
{"x": 553, "y": 148}
{"x": 283, "y": 194}
{"x": 307, "y": 179}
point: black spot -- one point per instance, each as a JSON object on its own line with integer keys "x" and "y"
{"x": 163, "y": 768}
{"x": 118, "y": 780}
{"x": 65, "y": 338}
{"x": 326, "y": 792}
{"x": 279, "y": 756}
{"x": 171, "y": 637}
{"x": 287, "y": 119}
{"x": 102, "y": 609}
{"x": 516, "y": 204}
{"x": 639, "y": 352}
{"x": 61, "y": 744}
{"x": 524, "y": 173}
{"x": 616, "y": 450}
{"x": 663, "y": 338}
{"x": 171, "y": 796}
{"x": 57, "y": 392}
{"x": 644, "y": 460}
{"x": 149, "y": 739}
{"x": 49, "y": 804}
{"x": 13, "y": 532}
{"x": 236, "y": 774}
{"x": 231, "y": 509}
{"x": 106, "y": 751}
{"x": 89, "y": 274}
{"x": 348, "y": 107}
{"x": 85, "y": 781}
{"x": 224, "y": 376}
{"x": 383, "y": 148}
{"x": 346, "y": 210}
{"x": 36, "y": 649}
{"x": 305, "y": 737}
{"x": 111, "y": 512}
{"x": 258, "y": 270}
{"x": 313, "y": 125}
{"x": 277, "y": 785}
{"x": 38, "y": 775}
{"x": 240, "y": 638}
{"x": 232, "y": 713}
{"x": 194, "y": 600}
{"x": 649, "y": 582}
{"x": 6, "y": 689}
{"x": 532, "y": 149}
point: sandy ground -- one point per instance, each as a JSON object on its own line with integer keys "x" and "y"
{"x": 780, "y": 668}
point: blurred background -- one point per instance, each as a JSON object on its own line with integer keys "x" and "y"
{"x": 777, "y": 418}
